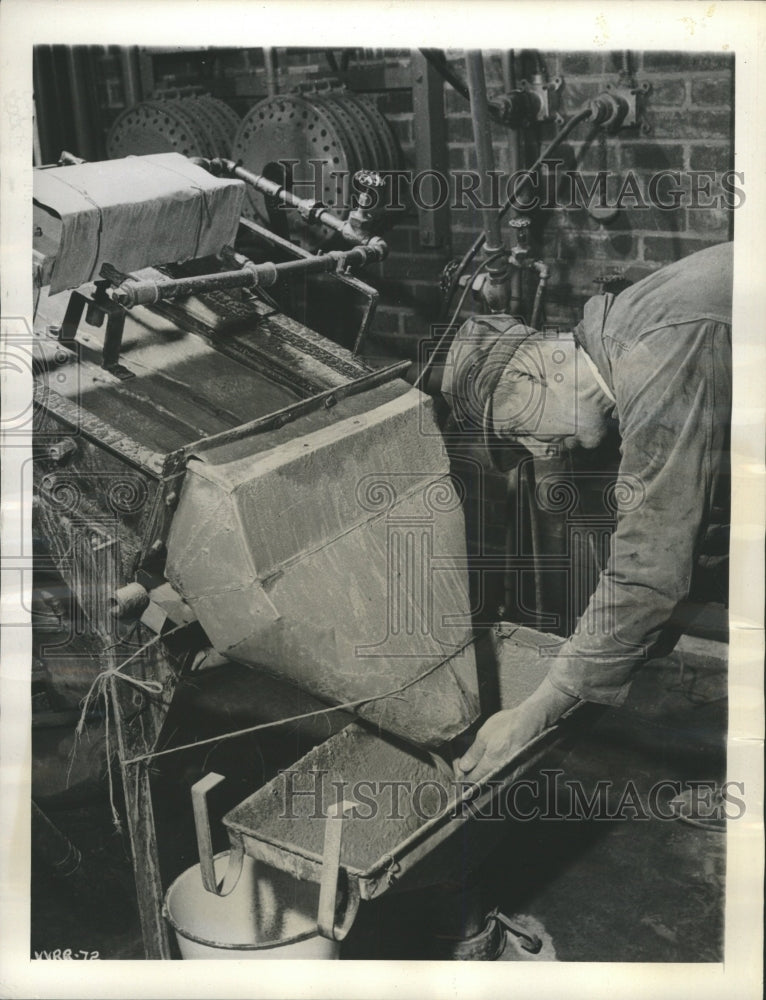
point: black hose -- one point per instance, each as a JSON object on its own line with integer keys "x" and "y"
{"x": 468, "y": 256}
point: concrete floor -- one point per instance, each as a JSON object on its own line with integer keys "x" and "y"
{"x": 622, "y": 891}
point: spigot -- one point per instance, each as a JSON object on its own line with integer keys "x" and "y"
{"x": 361, "y": 219}
{"x": 520, "y": 251}
{"x": 521, "y": 228}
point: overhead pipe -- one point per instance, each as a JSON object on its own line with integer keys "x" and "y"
{"x": 497, "y": 288}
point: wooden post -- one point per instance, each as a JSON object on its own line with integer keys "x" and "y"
{"x": 137, "y": 733}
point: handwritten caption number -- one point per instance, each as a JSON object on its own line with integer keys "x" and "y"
{"x": 67, "y": 955}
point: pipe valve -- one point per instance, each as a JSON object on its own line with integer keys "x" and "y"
{"x": 616, "y": 106}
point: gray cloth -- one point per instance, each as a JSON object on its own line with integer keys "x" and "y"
{"x": 663, "y": 347}
{"x": 132, "y": 213}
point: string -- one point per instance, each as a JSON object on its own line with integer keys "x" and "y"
{"x": 306, "y": 715}
{"x": 98, "y": 689}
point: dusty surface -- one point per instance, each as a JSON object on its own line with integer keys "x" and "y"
{"x": 280, "y": 814}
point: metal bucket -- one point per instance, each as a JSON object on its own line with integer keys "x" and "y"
{"x": 269, "y": 914}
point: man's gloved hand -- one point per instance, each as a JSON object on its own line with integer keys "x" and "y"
{"x": 505, "y": 733}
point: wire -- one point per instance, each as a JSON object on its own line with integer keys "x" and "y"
{"x": 151, "y": 755}
{"x": 469, "y": 255}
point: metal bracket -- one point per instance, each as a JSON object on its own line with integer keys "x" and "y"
{"x": 618, "y": 105}
{"x": 542, "y": 98}
{"x": 98, "y": 306}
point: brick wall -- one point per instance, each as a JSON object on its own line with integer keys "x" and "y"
{"x": 689, "y": 128}
{"x": 688, "y": 116}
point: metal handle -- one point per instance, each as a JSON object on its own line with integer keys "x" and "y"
{"x": 199, "y": 793}
{"x": 328, "y": 886}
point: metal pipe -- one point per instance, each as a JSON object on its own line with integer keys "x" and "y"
{"x": 508, "y": 70}
{"x": 134, "y": 292}
{"x": 485, "y": 157}
{"x": 516, "y": 162}
{"x": 544, "y": 273}
{"x": 131, "y": 76}
{"x": 497, "y": 289}
{"x": 314, "y": 212}
{"x": 78, "y": 91}
{"x": 581, "y": 115}
{"x": 270, "y": 70}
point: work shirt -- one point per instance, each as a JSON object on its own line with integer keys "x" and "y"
{"x": 662, "y": 349}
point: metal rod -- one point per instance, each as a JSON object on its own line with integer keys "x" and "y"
{"x": 516, "y": 162}
{"x": 270, "y": 421}
{"x": 485, "y": 157}
{"x": 496, "y": 293}
{"x": 134, "y": 292}
{"x": 509, "y": 78}
{"x": 270, "y": 70}
{"x": 312, "y": 211}
{"x": 78, "y": 90}
{"x": 131, "y": 75}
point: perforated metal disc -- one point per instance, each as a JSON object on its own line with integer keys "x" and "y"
{"x": 228, "y": 118}
{"x": 290, "y": 127}
{"x": 154, "y": 127}
{"x": 218, "y": 139}
{"x": 383, "y": 129}
{"x": 377, "y": 156}
{"x": 229, "y": 114}
{"x": 352, "y": 139}
{"x": 194, "y": 124}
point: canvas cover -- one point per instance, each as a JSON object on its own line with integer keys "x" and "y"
{"x": 140, "y": 211}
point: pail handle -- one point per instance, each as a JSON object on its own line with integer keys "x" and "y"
{"x": 328, "y": 886}
{"x": 199, "y": 793}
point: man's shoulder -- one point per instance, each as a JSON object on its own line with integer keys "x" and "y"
{"x": 695, "y": 288}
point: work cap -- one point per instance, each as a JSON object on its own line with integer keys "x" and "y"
{"x": 477, "y": 358}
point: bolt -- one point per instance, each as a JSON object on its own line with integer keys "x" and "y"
{"x": 171, "y": 499}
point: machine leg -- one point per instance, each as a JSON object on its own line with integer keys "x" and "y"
{"x": 146, "y": 868}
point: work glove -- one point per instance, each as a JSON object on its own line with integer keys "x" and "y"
{"x": 506, "y": 733}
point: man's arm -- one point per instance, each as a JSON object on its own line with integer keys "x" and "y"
{"x": 674, "y": 396}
